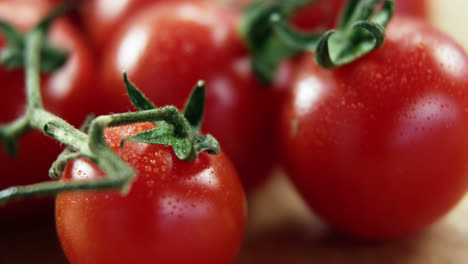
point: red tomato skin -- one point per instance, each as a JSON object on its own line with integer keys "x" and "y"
{"x": 65, "y": 93}
{"x": 379, "y": 148}
{"x": 181, "y": 43}
{"x": 100, "y": 18}
{"x": 175, "y": 212}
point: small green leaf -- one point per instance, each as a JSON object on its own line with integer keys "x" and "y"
{"x": 293, "y": 38}
{"x": 54, "y": 58}
{"x": 183, "y": 149}
{"x": 182, "y": 146}
{"x": 138, "y": 99}
{"x": 348, "y": 13}
{"x": 13, "y": 37}
{"x": 265, "y": 62}
{"x": 257, "y": 30}
{"x": 360, "y": 32}
{"x": 11, "y": 147}
{"x": 384, "y": 16}
{"x": 206, "y": 143}
{"x": 12, "y": 57}
{"x": 194, "y": 108}
{"x": 376, "y": 30}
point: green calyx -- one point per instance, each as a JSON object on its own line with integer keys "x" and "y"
{"x": 266, "y": 48}
{"x": 13, "y": 55}
{"x": 271, "y": 39}
{"x": 361, "y": 30}
{"x": 181, "y": 131}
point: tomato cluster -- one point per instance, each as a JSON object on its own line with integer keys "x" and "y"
{"x": 65, "y": 93}
{"x": 378, "y": 148}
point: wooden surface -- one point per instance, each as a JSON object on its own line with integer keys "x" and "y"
{"x": 281, "y": 229}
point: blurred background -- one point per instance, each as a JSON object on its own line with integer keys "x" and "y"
{"x": 280, "y": 227}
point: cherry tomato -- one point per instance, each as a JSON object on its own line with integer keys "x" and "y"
{"x": 176, "y": 211}
{"x": 166, "y": 48}
{"x": 65, "y": 92}
{"x": 379, "y": 148}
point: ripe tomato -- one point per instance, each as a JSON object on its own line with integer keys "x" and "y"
{"x": 176, "y": 211}
{"x": 65, "y": 92}
{"x": 166, "y": 48}
{"x": 379, "y": 148}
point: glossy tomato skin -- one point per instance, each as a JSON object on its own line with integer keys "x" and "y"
{"x": 65, "y": 93}
{"x": 175, "y": 212}
{"x": 101, "y": 17}
{"x": 167, "y": 48}
{"x": 379, "y": 148}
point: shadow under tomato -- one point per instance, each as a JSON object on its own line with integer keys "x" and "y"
{"x": 31, "y": 239}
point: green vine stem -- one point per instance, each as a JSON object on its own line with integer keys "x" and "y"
{"x": 361, "y": 29}
{"x": 266, "y": 49}
{"x": 174, "y": 129}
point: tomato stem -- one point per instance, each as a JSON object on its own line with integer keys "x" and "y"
{"x": 182, "y": 132}
{"x": 361, "y": 29}
{"x": 256, "y": 29}
{"x": 33, "y": 46}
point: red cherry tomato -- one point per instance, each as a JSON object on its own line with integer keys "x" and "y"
{"x": 379, "y": 148}
{"x": 66, "y": 92}
{"x": 166, "y": 48}
{"x": 176, "y": 211}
